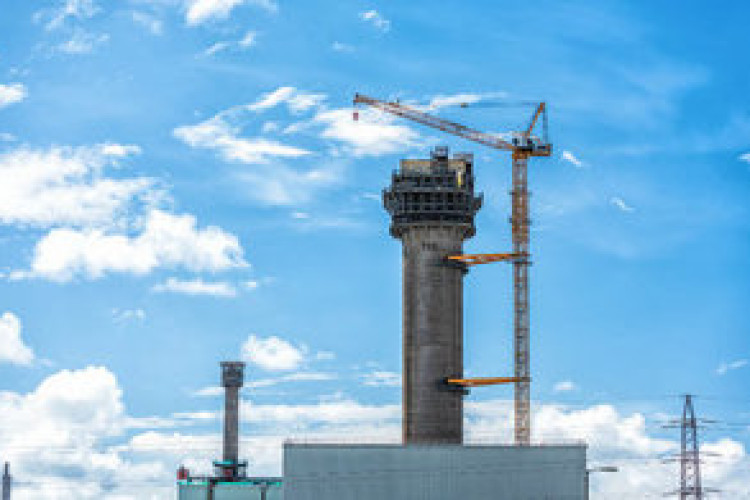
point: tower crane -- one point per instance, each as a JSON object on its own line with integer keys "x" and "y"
{"x": 522, "y": 145}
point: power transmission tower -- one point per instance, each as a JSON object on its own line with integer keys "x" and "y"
{"x": 690, "y": 473}
{"x": 690, "y": 456}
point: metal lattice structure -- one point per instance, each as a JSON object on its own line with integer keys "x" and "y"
{"x": 523, "y": 145}
{"x": 690, "y": 474}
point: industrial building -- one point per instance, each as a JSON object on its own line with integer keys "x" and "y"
{"x": 433, "y": 472}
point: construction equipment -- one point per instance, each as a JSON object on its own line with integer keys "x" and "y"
{"x": 522, "y": 145}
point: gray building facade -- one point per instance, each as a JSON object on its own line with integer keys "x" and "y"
{"x": 433, "y": 472}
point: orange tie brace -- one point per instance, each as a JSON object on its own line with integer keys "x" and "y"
{"x": 486, "y": 258}
{"x": 483, "y": 381}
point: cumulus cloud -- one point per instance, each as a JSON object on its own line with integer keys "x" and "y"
{"x": 572, "y": 159}
{"x": 59, "y": 439}
{"x": 12, "y": 348}
{"x": 68, "y": 185}
{"x": 12, "y": 93}
{"x": 166, "y": 241}
{"x": 197, "y": 287}
{"x": 621, "y": 205}
{"x": 724, "y": 368}
{"x": 273, "y": 353}
{"x": 72, "y": 432}
{"x": 201, "y": 11}
{"x": 564, "y": 386}
{"x": 377, "y": 20}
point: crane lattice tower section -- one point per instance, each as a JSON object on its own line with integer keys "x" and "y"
{"x": 432, "y": 204}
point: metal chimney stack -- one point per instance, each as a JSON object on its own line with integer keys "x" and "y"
{"x": 6, "y": 481}
{"x": 232, "y": 378}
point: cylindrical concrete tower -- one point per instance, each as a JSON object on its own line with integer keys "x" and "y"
{"x": 432, "y": 204}
{"x": 232, "y": 378}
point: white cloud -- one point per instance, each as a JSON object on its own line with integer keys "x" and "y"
{"x": 723, "y": 368}
{"x": 565, "y": 386}
{"x": 201, "y": 11}
{"x": 292, "y": 377}
{"x": 60, "y": 436}
{"x": 219, "y": 134}
{"x": 744, "y": 157}
{"x": 82, "y": 42}
{"x": 342, "y": 47}
{"x": 372, "y": 134}
{"x": 210, "y": 392}
{"x": 12, "y": 348}
{"x": 376, "y": 19}
{"x": 197, "y": 287}
{"x": 271, "y": 180}
{"x": 296, "y": 100}
{"x": 12, "y": 93}
{"x": 344, "y": 411}
{"x": 572, "y": 159}
{"x": 67, "y": 186}
{"x": 621, "y": 205}
{"x": 247, "y": 41}
{"x": 273, "y": 353}
{"x": 258, "y": 383}
{"x": 166, "y": 241}
{"x": 148, "y": 21}
{"x": 125, "y": 315}
{"x": 69, "y": 433}
{"x": 382, "y": 379}
{"x": 76, "y": 9}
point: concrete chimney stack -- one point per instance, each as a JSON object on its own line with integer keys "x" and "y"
{"x": 232, "y": 378}
{"x": 6, "y": 481}
{"x": 432, "y": 204}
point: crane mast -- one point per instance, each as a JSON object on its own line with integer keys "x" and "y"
{"x": 522, "y": 145}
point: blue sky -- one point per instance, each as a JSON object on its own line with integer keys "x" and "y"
{"x": 181, "y": 183}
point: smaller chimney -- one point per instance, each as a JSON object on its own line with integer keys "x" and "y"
{"x": 6, "y": 481}
{"x": 232, "y": 378}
